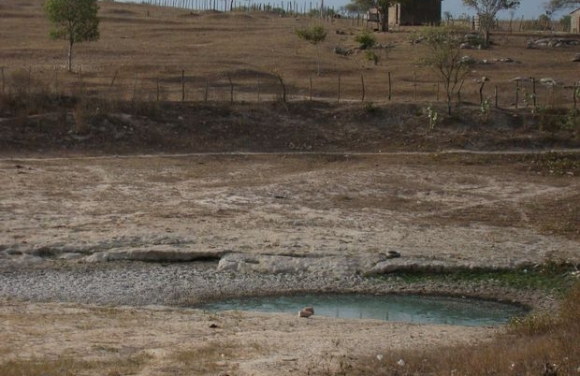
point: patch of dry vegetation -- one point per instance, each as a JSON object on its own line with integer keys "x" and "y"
{"x": 71, "y": 366}
{"x": 529, "y": 345}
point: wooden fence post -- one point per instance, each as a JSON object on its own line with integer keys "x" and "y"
{"x": 390, "y": 92}
{"x": 231, "y": 88}
{"x": 481, "y": 92}
{"x": 496, "y": 97}
{"x": 517, "y": 93}
{"x": 338, "y": 98}
{"x": 157, "y": 88}
{"x": 534, "y": 92}
{"x": 414, "y": 86}
{"x": 3, "y": 79}
{"x": 206, "y": 94}
{"x": 135, "y": 87}
{"x": 55, "y": 83}
{"x": 283, "y": 87}
{"x": 310, "y": 87}
{"x": 362, "y": 80}
{"x": 183, "y": 85}
{"x": 113, "y": 79}
{"x": 29, "y": 83}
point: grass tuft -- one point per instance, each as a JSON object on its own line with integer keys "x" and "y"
{"x": 527, "y": 347}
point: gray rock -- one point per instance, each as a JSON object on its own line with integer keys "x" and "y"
{"x": 393, "y": 254}
{"x": 467, "y": 60}
{"x": 546, "y": 81}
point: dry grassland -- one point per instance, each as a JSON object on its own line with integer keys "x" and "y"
{"x": 142, "y": 46}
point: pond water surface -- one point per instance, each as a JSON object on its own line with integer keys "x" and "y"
{"x": 402, "y": 308}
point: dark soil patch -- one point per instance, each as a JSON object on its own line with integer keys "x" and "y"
{"x": 98, "y": 127}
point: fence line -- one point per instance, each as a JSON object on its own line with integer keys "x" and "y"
{"x": 337, "y": 87}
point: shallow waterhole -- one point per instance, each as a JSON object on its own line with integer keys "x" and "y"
{"x": 400, "y": 308}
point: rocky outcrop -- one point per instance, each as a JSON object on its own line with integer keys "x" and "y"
{"x": 553, "y": 42}
{"x": 160, "y": 253}
{"x": 335, "y": 265}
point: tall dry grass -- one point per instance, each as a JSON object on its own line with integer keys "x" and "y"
{"x": 534, "y": 345}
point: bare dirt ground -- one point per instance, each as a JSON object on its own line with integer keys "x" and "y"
{"x": 165, "y": 341}
{"x": 326, "y": 205}
{"x": 332, "y": 215}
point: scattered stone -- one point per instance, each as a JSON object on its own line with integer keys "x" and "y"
{"x": 521, "y": 79}
{"x": 306, "y": 312}
{"x": 546, "y": 81}
{"x": 214, "y": 326}
{"x": 467, "y": 60}
{"x": 576, "y": 58}
{"x": 553, "y": 42}
{"x": 401, "y": 363}
{"x": 393, "y": 254}
{"x": 342, "y": 51}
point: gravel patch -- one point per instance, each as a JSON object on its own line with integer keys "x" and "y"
{"x": 192, "y": 284}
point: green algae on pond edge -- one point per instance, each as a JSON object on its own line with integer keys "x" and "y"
{"x": 553, "y": 279}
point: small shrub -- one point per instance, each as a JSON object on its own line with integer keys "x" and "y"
{"x": 372, "y": 56}
{"x": 366, "y": 40}
{"x": 370, "y": 108}
{"x": 485, "y": 111}
{"x": 534, "y": 324}
{"x": 570, "y": 309}
{"x": 433, "y": 116}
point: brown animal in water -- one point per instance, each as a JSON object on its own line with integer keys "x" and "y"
{"x": 306, "y": 312}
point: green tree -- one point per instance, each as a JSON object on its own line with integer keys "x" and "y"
{"x": 444, "y": 57}
{"x": 74, "y": 21}
{"x": 314, "y": 35}
{"x": 487, "y": 10}
{"x": 566, "y": 23}
{"x": 554, "y": 5}
{"x": 353, "y": 9}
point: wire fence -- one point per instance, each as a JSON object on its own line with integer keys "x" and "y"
{"x": 256, "y": 86}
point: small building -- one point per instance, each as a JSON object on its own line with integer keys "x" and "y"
{"x": 575, "y": 21}
{"x": 416, "y": 12}
{"x": 412, "y": 12}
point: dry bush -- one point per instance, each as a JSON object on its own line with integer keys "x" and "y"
{"x": 72, "y": 366}
{"x": 524, "y": 349}
{"x": 212, "y": 357}
{"x": 27, "y": 93}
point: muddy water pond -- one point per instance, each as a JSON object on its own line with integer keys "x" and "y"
{"x": 401, "y": 308}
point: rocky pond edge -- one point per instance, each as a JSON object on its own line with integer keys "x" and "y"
{"x": 145, "y": 278}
